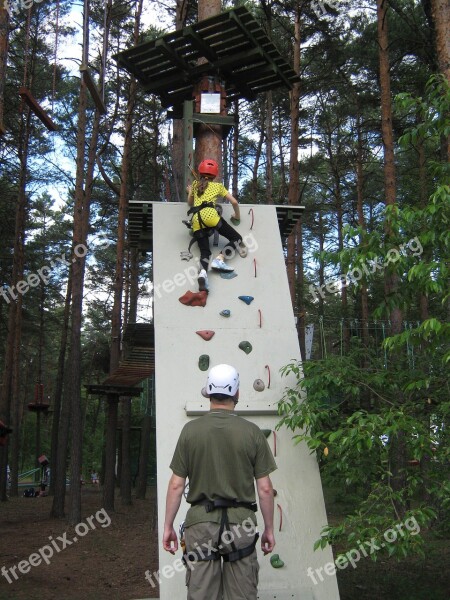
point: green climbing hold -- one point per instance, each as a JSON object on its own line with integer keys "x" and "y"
{"x": 276, "y": 561}
{"x": 246, "y": 347}
{"x": 203, "y": 362}
{"x": 266, "y": 432}
{"x": 246, "y": 299}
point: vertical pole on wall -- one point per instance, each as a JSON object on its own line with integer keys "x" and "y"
{"x": 188, "y": 140}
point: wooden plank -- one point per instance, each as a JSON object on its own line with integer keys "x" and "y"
{"x": 87, "y": 78}
{"x": 28, "y": 98}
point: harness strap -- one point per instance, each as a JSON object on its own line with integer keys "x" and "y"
{"x": 242, "y": 552}
{"x": 224, "y": 503}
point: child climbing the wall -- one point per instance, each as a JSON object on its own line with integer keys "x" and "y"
{"x": 202, "y": 196}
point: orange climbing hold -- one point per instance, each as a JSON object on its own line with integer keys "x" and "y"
{"x": 194, "y": 298}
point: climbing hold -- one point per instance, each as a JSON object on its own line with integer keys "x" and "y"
{"x": 206, "y": 334}
{"x": 228, "y": 275}
{"x": 258, "y": 385}
{"x": 194, "y": 298}
{"x": 246, "y": 299}
{"x": 276, "y": 561}
{"x": 246, "y": 347}
{"x": 268, "y": 369}
{"x": 266, "y": 432}
{"x": 204, "y": 393}
{"x": 203, "y": 362}
{"x": 225, "y": 312}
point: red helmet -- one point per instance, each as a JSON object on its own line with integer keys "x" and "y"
{"x": 208, "y": 167}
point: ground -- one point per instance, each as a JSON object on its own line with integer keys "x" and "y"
{"x": 109, "y": 562}
{"x": 106, "y": 563}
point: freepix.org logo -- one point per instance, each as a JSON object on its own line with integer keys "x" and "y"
{"x": 15, "y": 6}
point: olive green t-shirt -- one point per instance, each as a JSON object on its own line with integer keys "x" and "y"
{"x": 221, "y": 454}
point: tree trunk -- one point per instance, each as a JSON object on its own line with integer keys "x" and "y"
{"x": 110, "y": 453}
{"x": 423, "y": 298}
{"x": 440, "y": 10}
{"x": 235, "y": 152}
{"x": 269, "y": 148}
{"x": 4, "y": 35}
{"x": 57, "y": 398}
{"x": 294, "y": 169}
{"x": 254, "y": 184}
{"x": 15, "y": 305}
{"x": 116, "y": 322}
{"x": 178, "y": 158}
{"x": 125, "y": 478}
{"x": 141, "y": 486}
{"x": 397, "y": 450}
{"x": 362, "y": 224}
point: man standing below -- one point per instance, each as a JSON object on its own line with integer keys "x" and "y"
{"x": 222, "y": 455}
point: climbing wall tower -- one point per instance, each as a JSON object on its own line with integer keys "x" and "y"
{"x": 267, "y": 324}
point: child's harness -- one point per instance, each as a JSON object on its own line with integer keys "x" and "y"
{"x": 204, "y": 230}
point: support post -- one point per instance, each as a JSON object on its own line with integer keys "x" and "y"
{"x": 188, "y": 140}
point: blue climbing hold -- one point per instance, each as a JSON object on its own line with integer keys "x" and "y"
{"x": 228, "y": 275}
{"x": 225, "y": 313}
{"x": 246, "y": 299}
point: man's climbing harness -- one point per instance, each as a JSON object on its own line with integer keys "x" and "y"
{"x": 214, "y": 553}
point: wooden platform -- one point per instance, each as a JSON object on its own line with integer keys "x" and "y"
{"x": 231, "y": 45}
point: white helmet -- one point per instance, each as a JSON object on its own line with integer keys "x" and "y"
{"x": 222, "y": 379}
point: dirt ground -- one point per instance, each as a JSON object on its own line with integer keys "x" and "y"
{"x": 109, "y": 562}
{"x": 105, "y": 563}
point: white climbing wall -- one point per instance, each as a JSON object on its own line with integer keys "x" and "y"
{"x": 268, "y": 324}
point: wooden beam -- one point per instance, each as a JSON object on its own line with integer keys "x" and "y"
{"x": 87, "y": 78}
{"x": 28, "y": 98}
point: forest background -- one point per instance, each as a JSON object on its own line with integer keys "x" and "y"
{"x": 362, "y": 142}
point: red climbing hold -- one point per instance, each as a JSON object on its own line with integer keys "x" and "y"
{"x": 206, "y": 334}
{"x": 194, "y": 298}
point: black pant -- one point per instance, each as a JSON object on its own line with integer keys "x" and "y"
{"x": 226, "y": 231}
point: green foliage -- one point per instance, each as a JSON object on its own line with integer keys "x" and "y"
{"x": 355, "y": 411}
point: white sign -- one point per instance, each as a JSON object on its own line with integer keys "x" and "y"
{"x": 210, "y": 103}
